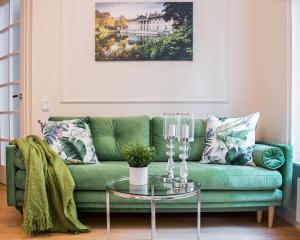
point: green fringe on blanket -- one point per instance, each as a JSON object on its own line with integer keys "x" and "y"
{"x": 36, "y": 225}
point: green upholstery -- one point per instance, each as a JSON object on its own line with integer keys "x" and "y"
{"x": 19, "y": 161}
{"x": 158, "y": 141}
{"x": 268, "y": 157}
{"x": 110, "y": 134}
{"x": 229, "y": 177}
{"x": 286, "y": 170}
{"x": 10, "y": 175}
{"x": 224, "y": 187}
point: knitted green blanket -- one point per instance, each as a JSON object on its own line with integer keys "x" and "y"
{"x": 48, "y": 203}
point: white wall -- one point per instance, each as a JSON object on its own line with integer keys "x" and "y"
{"x": 160, "y": 81}
{"x": 256, "y": 66}
{"x": 295, "y": 137}
{"x": 274, "y": 81}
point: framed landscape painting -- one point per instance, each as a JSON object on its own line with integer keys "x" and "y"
{"x": 144, "y": 31}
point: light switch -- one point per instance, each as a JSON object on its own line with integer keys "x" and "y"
{"x": 45, "y": 99}
{"x": 45, "y": 103}
{"x": 45, "y": 107}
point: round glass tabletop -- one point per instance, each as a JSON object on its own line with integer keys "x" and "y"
{"x": 155, "y": 189}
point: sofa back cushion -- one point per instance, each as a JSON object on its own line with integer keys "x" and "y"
{"x": 110, "y": 134}
{"x": 65, "y": 118}
{"x": 159, "y": 143}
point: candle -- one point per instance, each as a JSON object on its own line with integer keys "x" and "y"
{"x": 185, "y": 131}
{"x": 171, "y": 132}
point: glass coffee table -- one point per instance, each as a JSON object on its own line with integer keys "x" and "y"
{"x": 153, "y": 192}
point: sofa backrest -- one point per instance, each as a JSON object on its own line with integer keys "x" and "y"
{"x": 110, "y": 134}
{"x": 64, "y": 118}
{"x": 159, "y": 143}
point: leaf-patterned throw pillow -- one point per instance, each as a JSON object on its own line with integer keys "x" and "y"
{"x": 230, "y": 140}
{"x": 71, "y": 139}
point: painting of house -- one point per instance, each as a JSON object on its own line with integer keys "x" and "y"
{"x": 152, "y": 23}
{"x": 144, "y": 31}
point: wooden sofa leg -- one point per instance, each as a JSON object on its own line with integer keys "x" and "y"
{"x": 259, "y": 215}
{"x": 271, "y": 213}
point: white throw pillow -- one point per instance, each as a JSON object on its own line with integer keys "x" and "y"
{"x": 71, "y": 139}
{"x": 230, "y": 140}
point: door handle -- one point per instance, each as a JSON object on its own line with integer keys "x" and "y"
{"x": 20, "y": 96}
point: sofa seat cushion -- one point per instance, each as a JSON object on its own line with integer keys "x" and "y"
{"x": 211, "y": 177}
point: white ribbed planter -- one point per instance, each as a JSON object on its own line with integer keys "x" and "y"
{"x": 138, "y": 176}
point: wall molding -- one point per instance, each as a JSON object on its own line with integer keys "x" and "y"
{"x": 64, "y": 100}
{"x": 143, "y": 101}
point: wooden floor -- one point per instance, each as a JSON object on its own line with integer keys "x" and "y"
{"x": 215, "y": 226}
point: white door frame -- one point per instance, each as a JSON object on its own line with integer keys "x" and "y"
{"x": 26, "y": 66}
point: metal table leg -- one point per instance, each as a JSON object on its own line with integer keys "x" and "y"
{"x": 198, "y": 215}
{"x": 107, "y": 215}
{"x": 153, "y": 220}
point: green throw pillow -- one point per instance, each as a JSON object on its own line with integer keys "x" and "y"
{"x": 230, "y": 140}
{"x": 71, "y": 139}
{"x": 268, "y": 157}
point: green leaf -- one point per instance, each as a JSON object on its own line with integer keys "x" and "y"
{"x": 240, "y": 134}
{"x": 242, "y": 159}
{"x": 70, "y": 150}
{"x": 244, "y": 156}
{"x": 80, "y": 124}
{"x": 221, "y": 137}
{"x": 81, "y": 148}
{"x": 231, "y": 155}
{"x": 222, "y": 119}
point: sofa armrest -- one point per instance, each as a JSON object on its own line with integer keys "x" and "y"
{"x": 10, "y": 175}
{"x": 286, "y": 170}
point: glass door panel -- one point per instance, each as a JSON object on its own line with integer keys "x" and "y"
{"x": 14, "y": 126}
{"x": 4, "y": 43}
{"x": 4, "y": 99}
{"x": 14, "y": 66}
{"x": 3, "y": 71}
{"x": 4, "y": 126}
{"x": 15, "y": 38}
{"x": 15, "y": 11}
{"x": 4, "y": 14}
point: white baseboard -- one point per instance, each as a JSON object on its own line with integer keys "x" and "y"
{"x": 289, "y": 215}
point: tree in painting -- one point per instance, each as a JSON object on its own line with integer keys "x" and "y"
{"x": 180, "y": 12}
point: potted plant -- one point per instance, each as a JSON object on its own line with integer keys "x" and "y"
{"x": 138, "y": 158}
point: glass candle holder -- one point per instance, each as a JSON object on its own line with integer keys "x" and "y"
{"x": 185, "y": 127}
{"x": 170, "y": 125}
{"x": 185, "y": 134}
{"x": 170, "y": 133}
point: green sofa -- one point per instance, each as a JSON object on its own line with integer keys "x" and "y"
{"x": 224, "y": 187}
